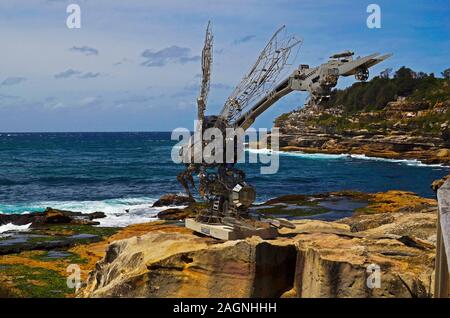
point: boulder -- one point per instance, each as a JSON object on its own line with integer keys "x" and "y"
{"x": 173, "y": 214}
{"x": 191, "y": 210}
{"x": 172, "y": 199}
{"x": 52, "y": 216}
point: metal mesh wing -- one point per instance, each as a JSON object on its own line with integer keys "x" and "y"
{"x": 263, "y": 76}
{"x": 206, "y": 72}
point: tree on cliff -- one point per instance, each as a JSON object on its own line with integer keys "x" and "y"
{"x": 380, "y": 90}
{"x": 387, "y": 94}
{"x": 405, "y": 81}
{"x": 446, "y": 74}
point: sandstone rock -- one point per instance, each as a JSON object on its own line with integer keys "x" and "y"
{"x": 315, "y": 226}
{"x": 420, "y": 225}
{"x": 329, "y": 265}
{"x": 290, "y": 148}
{"x": 405, "y": 106}
{"x": 438, "y": 183}
{"x": 366, "y": 222}
{"x": 316, "y": 259}
{"x": 180, "y": 265}
{"x": 395, "y": 132}
{"x": 396, "y": 232}
{"x": 398, "y": 201}
{"x": 443, "y": 153}
{"x": 172, "y": 199}
{"x": 290, "y": 294}
{"x": 397, "y": 213}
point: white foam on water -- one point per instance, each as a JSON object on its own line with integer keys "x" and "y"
{"x": 127, "y": 218}
{"x": 11, "y": 227}
{"x": 409, "y": 162}
{"x": 266, "y": 151}
{"x": 110, "y": 206}
{"x": 119, "y": 212}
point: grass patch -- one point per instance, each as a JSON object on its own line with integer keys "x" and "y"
{"x": 35, "y": 282}
{"x": 64, "y": 229}
{"x": 71, "y": 258}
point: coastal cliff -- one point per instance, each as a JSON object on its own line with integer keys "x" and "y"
{"x": 395, "y": 231}
{"x": 405, "y": 117}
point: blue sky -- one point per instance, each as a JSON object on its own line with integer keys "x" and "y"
{"x": 133, "y": 65}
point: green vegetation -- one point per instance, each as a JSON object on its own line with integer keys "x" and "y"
{"x": 32, "y": 268}
{"x": 35, "y": 282}
{"x": 429, "y": 123}
{"x": 280, "y": 119}
{"x": 69, "y": 257}
{"x": 362, "y": 106}
{"x": 72, "y": 229}
{"x": 376, "y": 93}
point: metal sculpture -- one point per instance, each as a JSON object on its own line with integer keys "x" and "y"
{"x": 221, "y": 184}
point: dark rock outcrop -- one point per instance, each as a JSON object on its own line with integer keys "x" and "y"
{"x": 51, "y": 216}
{"x": 172, "y": 199}
{"x": 174, "y": 214}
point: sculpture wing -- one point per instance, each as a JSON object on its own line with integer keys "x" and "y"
{"x": 263, "y": 76}
{"x": 206, "y": 72}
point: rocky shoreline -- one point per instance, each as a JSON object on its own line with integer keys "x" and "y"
{"x": 395, "y": 230}
{"x": 389, "y": 133}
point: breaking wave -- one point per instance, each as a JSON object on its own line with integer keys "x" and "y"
{"x": 119, "y": 212}
{"x": 324, "y": 156}
{"x": 11, "y": 227}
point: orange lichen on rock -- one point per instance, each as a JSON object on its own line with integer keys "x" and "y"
{"x": 397, "y": 201}
{"x": 29, "y": 258}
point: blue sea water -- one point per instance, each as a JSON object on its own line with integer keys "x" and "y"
{"x": 114, "y": 172}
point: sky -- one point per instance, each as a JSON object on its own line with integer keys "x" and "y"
{"x": 134, "y": 65}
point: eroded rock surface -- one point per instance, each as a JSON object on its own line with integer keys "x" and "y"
{"x": 393, "y": 230}
{"x": 316, "y": 259}
{"x": 392, "y": 132}
{"x": 184, "y": 265}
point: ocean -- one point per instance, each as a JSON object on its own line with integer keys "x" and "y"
{"x": 114, "y": 172}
